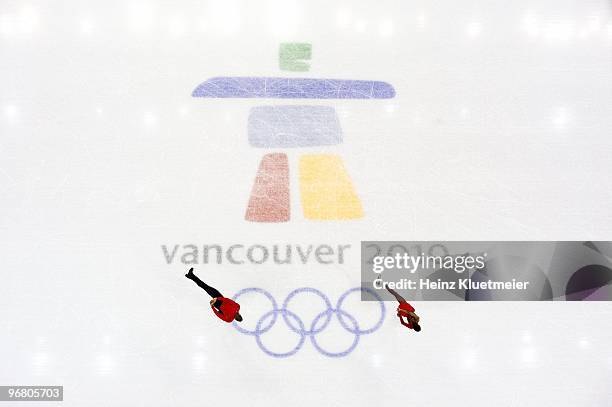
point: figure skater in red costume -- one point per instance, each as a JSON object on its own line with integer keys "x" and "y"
{"x": 224, "y": 308}
{"x": 405, "y": 310}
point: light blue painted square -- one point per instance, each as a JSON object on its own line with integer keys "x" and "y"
{"x": 293, "y": 126}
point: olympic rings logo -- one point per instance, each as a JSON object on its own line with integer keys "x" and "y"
{"x": 295, "y": 323}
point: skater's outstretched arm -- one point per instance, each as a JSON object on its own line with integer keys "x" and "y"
{"x": 407, "y": 323}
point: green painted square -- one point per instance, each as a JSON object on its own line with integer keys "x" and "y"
{"x": 291, "y": 56}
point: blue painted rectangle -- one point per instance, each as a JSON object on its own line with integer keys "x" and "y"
{"x": 292, "y": 88}
{"x": 293, "y": 126}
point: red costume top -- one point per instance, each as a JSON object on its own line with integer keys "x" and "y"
{"x": 406, "y": 307}
{"x": 228, "y": 309}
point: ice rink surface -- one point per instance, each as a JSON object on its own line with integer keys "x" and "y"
{"x": 499, "y": 130}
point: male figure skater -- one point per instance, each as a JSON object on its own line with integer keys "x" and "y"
{"x": 405, "y": 310}
{"x": 224, "y": 308}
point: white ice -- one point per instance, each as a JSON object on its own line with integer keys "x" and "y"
{"x": 500, "y": 130}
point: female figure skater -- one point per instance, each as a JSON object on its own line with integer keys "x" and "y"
{"x": 405, "y": 310}
{"x": 224, "y": 308}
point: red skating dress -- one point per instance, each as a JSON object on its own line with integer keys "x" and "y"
{"x": 406, "y": 307}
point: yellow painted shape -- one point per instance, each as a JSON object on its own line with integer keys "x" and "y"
{"x": 326, "y": 189}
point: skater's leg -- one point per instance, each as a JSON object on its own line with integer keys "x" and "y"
{"x": 213, "y": 292}
{"x": 395, "y": 294}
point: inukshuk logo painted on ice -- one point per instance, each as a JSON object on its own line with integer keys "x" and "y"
{"x": 326, "y": 189}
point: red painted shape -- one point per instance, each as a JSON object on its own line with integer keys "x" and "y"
{"x": 269, "y": 200}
